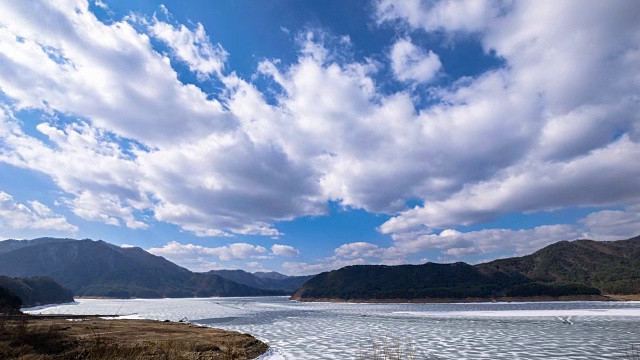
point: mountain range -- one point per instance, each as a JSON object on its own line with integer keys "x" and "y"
{"x": 262, "y": 280}
{"x": 100, "y": 269}
{"x": 584, "y": 268}
{"x": 581, "y": 268}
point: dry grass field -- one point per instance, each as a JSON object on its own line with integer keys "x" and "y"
{"x": 33, "y": 338}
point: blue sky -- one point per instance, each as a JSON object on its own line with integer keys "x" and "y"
{"x": 303, "y": 136}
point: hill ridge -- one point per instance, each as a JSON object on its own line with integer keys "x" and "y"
{"x": 97, "y": 268}
{"x": 581, "y": 267}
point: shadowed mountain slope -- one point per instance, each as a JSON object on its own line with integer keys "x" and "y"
{"x": 96, "y": 268}
{"x": 37, "y": 290}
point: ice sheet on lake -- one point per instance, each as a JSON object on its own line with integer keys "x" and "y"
{"x": 273, "y": 354}
{"x": 526, "y": 313}
{"x": 300, "y": 331}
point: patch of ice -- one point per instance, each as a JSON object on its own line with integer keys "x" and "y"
{"x": 525, "y": 313}
{"x": 273, "y": 354}
{"x": 42, "y": 307}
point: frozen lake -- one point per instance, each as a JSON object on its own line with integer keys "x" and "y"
{"x": 551, "y": 330}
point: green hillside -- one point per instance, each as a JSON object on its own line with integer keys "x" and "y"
{"x": 611, "y": 266}
{"x": 577, "y": 268}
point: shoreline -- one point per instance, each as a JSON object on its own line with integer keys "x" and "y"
{"x": 68, "y": 336}
{"x": 608, "y": 297}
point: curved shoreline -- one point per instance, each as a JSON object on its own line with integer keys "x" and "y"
{"x": 474, "y": 300}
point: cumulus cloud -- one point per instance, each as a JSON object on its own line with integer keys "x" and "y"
{"x": 34, "y": 217}
{"x": 126, "y": 141}
{"x": 613, "y": 224}
{"x": 358, "y": 250}
{"x": 144, "y": 142}
{"x": 285, "y": 250}
{"x": 604, "y": 177}
{"x": 101, "y": 4}
{"x": 411, "y": 63}
{"x": 579, "y": 111}
{"x": 191, "y": 46}
{"x": 237, "y": 251}
{"x": 304, "y": 268}
{"x": 71, "y": 62}
{"x": 202, "y": 258}
{"x": 82, "y": 162}
{"x": 199, "y": 257}
{"x": 452, "y": 15}
{"x": 453, "y": 245}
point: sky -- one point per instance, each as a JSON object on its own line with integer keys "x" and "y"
{"x": 304, "y": 136}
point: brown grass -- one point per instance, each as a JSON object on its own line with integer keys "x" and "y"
{"x": 391, "y": 348}
{"x": 30, "y": 338}
{"x": 631, "y": 352}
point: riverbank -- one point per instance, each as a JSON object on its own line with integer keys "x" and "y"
{"x": 57, "y": 337}
{"x": 476, "y": 300}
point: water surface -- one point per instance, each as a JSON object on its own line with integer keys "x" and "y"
{"x": 548, "y": 330}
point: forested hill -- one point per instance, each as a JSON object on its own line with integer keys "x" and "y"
{"x": 36, "y": 290}
{"x": 611, "y": 266}
{"x": 577, "y": 268}
{"x": 9, "y": 301}
{"x": 97, "y": 268}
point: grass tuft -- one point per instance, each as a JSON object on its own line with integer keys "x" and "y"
{"x": 391, "y": 348}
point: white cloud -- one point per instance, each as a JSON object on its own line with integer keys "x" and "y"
{"x": 254, "y": 264}
{"x": 104, "y": 208}
{"x": 191, "y": 46}
{"x": 493, "y": 243}
{"x": 285, "y": 250}
{"x": 72, "y": 63}
{"x": 304, "y": 268}
{"x": 604, "y": 177}
{"x": 456, "y": 245}
{"x": 570, "y": 100}
{"x": 35, "y": 217}
{"x": 101, "y": 4}
{"x": 237, "y": 251}
{"x": 411, "y": 63}
{"x": 613, "y": 224}
{"x": 358, "y": 250}
{"x": 83, "y": 162}
{"x": 240, "y": 186}
{"x": 453, "y": 15}
{"x": 202, "y": 258}
{"x": 557, "y": 126}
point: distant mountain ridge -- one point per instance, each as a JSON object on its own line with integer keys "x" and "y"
{"x": 577, "y": 268}
{"x": 10, "y": 245}
{"x": 269, "y": 281}
{"x": 271, "y": 275}
{"x": 97, "y": 268}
